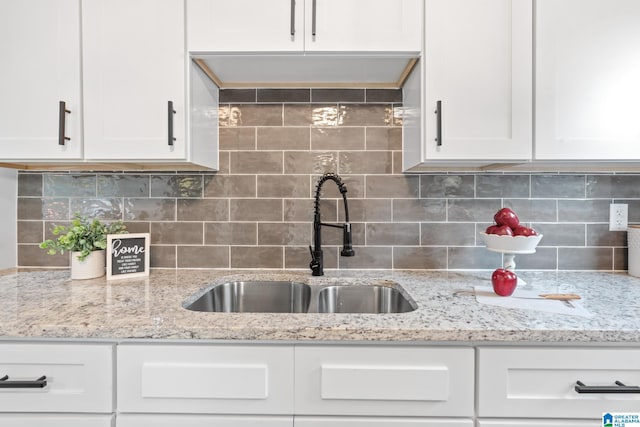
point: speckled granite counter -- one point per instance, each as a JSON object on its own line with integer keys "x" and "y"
{"x": 46, "y": 304}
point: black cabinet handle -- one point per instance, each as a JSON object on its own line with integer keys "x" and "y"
{"x": 293, "y": 18}
{"x": 438, "y": 123}
{"x": 313, "y": 18}
{"x": 39, "y": 383}
{"x": 618, "y": 388}
{"x": 62, "y": 116}
{"x": 171, "y": 112}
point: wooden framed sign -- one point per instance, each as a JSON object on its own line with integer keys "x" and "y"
{"x": 127, "y": 255}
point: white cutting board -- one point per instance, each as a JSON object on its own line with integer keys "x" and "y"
{"x": 485, "y": 295}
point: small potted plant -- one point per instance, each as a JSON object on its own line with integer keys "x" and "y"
{"x": 86, "y": 240}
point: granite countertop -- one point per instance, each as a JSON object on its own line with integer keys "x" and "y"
{"x": 47, "y": 304}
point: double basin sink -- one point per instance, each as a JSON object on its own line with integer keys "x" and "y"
{"x": 295, "y": 297}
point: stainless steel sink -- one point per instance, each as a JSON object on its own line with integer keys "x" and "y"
{"x": 255, "y": 297}
{"x": 362, "y": 299}
{"x": 293, "y": 297}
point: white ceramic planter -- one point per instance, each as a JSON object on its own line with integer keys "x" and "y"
{"x": 92, "y": 266}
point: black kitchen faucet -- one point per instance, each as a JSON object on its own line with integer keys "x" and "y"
{"x": 316, "y": 264}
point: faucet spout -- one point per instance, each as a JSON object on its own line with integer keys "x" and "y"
{"x": 316, "y": 265}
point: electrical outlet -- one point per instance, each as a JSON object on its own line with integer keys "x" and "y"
{"x": 618, "y": 216}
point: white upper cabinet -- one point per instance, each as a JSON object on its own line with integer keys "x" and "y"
{"x": 477, "y": 81}
{"x": 587, "y": 80}
{"x": 133, "y": 68}
{"x": 40, "y": 51}
{"x": 363, "y": 25}
{"x": 299, "y": 25}
{"x": 245, "y": 25}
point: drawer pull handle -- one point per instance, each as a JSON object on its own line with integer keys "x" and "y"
{"x": 313, "y": 18}
{"x": 293, "y": 18}
{"x": 171, "y": 112}
{"x": 438, "y": 123}
{"x": 62, "y": 122}
{"x": 618, "y": 388}
{"x": 39, "y": 383}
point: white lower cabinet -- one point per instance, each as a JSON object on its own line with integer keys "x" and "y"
{"x": 539, "y": 423}
{"x": 379, "y": 422}
{"x": 313, "y": 385}
{"x": 56, "y": 420}
{"x": 384, "y": 381}
{"x": 240, "y": 385}
{"x": 540, "y": 383}
{"x": 205, "y": 379}
{"x": 171, "y": 420}
{"x": 79, "y": 378}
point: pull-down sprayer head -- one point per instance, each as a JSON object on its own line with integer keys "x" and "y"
{"x": 347, "y": 247}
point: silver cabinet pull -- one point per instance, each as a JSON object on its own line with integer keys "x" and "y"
{"x": 438, "y": 123}
{"x": 171, "y": 112}
{"x": 62, "y": 121}
{"x": 313, "y": 18}
{"x": 293, "y": 18}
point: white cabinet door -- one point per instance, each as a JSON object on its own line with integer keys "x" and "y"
{"x": 379, "y": 422}
{"x": 40, "y": 51}
{"x": 384, "y": 381}
{"x": 304, "y": 25}
{"x": 216, "y": 379}
{"x": 587, "y": 85}
{"x": 134, "y": 65}
{"x": 529, "y": 382}
{"x": 363, "y": 25}
{"x": 245, "y": 25}
{"x": 539, "y": 423}
{"x": 478, "y": 68}
{"x": 79, "y": 378}
{"x": 167, "y": 420}
{"x": 50, "y": 420}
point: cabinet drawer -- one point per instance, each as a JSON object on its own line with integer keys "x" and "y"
{"x": 224, "y": 379}
{"x": 164, "y": 420}
{"x": 379, "y": 422}
{"x": 539, "y": 423}
{"x": 540, "y": 382}
{"x": 79, "y": 377}
{"x": 49, "y": 420}
{"x": 363, "y": 380}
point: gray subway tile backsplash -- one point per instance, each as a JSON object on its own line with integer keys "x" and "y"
{"x": 449, "y": 186}
{"x": 495, "y": 185}
{"x": 30, "y": 185}
{"x": 121, "y": 185}
{"x": 554, "y": 186}
{"x": 257, "y": 210}
{"x": 338, "y": 95}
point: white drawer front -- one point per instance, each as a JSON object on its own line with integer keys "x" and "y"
{"x": 363, "y": 380}
{"x": 49, "y": 420}
{"x": 166, "y": 420}
{"x": 224, "y": 379}
{"x": 79, "y": 377}
{"x": 214, "y": 380}
{"x": 345, "y": 382}
{"x": 539, "y": 423}
{"x": 540, "y": 382}
{"x": 379, "y": 422}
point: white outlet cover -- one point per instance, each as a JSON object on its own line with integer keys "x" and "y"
{"x": 618, "y": 216}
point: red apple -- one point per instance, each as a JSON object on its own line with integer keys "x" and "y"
{"x": 506, "y": 216}
{"x": 521, "y": 230}
{"x": 491, "y": 229}
{"x": 504, "y": 282}
{"x": 503, "y": 230}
